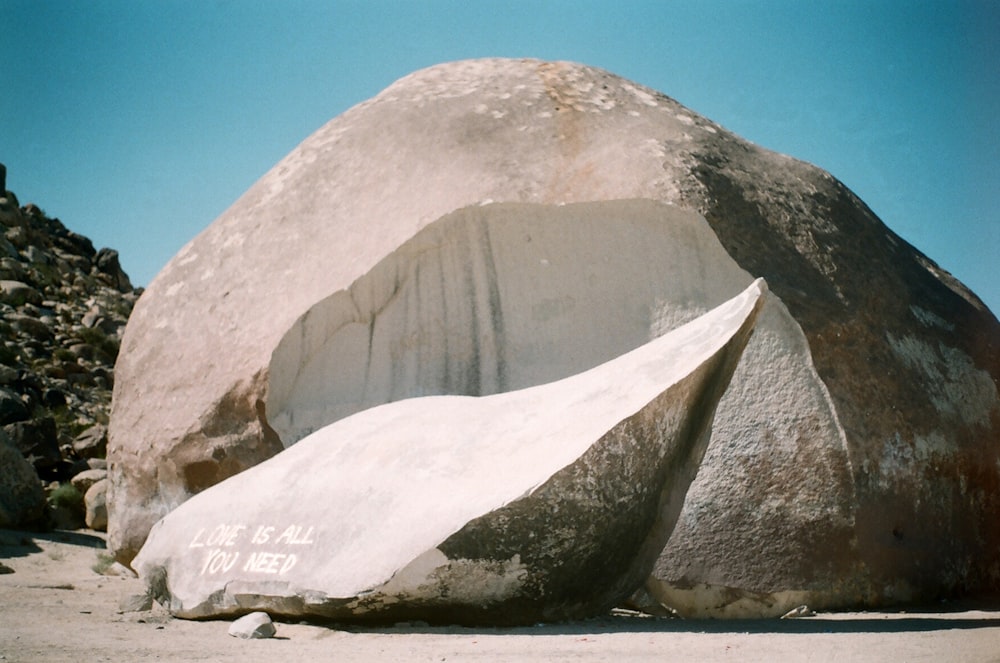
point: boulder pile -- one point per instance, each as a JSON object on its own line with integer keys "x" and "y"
{"x": 63, "y": 308}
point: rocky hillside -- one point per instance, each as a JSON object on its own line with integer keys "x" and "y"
{"x": 63, "y": 307}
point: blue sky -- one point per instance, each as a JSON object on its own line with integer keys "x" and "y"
{"x": 138, "y": 122}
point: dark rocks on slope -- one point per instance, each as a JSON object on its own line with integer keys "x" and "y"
{"x": 63, "y": 307}
{"x": 37, "y": 439}
{"x": 12, "y": 408}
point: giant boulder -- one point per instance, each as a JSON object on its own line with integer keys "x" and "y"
{"x": 855, "y": 460}
{"x": 545, "y": 503}
{"x": 22, "y": 500}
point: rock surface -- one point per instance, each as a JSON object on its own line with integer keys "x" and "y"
{"x": 92, "y": 442}
{"x": 63, "y": 307}
{"x": 540, "y": 504}
{"x": 867, "y": 471}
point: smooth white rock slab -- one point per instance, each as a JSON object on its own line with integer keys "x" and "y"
{"x": 549, "y": 502}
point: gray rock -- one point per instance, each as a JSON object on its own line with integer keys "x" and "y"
{"x": 18, "y": 237}
{"x": 17, "y": 293}
{"x": 91, "y": 317}
{"x": 22, "y": 500}
{"x": 70, "y": 264}
{"x": 38, "y": 256}
{"x": 256, "y": 625}
{"x": 78, "y": 246}
{"x": 100, "y": 318}
{"x": 31, "y": 326}
{"x": 92, "y": 443}
{"x": 502, "y": 509}
{"x": 10, "y": 268}
{"x": 863, "y": 473}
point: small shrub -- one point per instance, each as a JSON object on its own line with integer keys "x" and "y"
{"x": 91, "y": 335}
{"x": 98, "y": 339}
{"x": 103, "y": 563}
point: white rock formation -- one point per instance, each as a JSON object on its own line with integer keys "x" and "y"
{"x": 545, "y": 503}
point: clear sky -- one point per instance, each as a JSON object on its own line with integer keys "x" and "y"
{"x": 138, "y": 122}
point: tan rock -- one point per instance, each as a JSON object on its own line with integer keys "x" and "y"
{"x": 16, "y": 294}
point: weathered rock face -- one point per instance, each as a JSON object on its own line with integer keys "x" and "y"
{"x": 63, "y": 307}
{"x": 545, "y": 503}
{"x": 498, "y": 297}
{"x": 865, "y": 471}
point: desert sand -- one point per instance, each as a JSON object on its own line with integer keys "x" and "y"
{"x": 57, "y": 607}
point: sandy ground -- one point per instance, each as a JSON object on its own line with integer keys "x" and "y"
{"x": 55, "y": 607}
